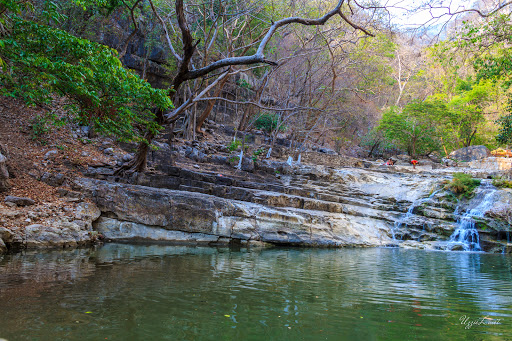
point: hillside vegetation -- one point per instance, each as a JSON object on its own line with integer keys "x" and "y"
{"x": 331, "y": 74}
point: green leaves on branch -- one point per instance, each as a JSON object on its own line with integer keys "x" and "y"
{"x": 42, "y": 62}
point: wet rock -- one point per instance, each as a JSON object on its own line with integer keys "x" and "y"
{"x": 66, "y": 234}
{"x": 470, "y": 153}
{"x": 122, "y": 230}
{"x": 20, "y": 201}
{"x": 457, "y": 247}
{"x": 5, "y": 237}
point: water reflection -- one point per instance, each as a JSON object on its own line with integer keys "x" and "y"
{"x": 139, "y": 292}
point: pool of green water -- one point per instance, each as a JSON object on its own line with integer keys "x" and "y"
{"x": 141, "y": 292}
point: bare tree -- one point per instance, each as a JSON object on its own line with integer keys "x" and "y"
{"x": 187, "y": 71}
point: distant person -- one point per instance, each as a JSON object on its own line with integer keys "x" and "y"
{"x": 414, "y": 163}
{"x": 390, "y": 162}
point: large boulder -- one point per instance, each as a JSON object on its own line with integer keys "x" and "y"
{"x": 470, "y": 153}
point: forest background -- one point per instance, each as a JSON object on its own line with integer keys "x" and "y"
{"x": 341, "y": 74}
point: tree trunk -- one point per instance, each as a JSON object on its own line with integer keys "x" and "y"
{"x": 375, "y": 145}
{"x": 209, "y": 106}
{"x": 139, "y": 161}
{"x": 470, "y": 138}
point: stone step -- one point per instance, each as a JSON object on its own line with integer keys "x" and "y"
{"x": 277, "y": 198}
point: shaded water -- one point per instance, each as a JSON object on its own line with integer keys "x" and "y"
{"x": 137, "y": 292}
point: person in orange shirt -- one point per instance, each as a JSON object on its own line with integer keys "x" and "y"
{"x": 414, "y": 163}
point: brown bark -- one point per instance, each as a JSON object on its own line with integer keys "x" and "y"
{"x": 184, "y": 73}
{"x": 209, "y": 106}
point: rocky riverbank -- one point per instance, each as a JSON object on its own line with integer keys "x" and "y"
{"x": 307, "y": 206}
{"x": 66, "y": 195}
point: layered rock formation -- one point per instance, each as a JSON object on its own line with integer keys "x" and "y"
{"x": 312, "y": 206}
{"x": 300, "y": 206}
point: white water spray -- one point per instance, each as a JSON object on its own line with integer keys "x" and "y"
{"x": 404, "y": 219}
{"x": 466, "y": 233}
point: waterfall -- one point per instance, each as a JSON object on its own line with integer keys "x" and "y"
{"x": 404, "y": 219}
{"x": 466, "y": 233}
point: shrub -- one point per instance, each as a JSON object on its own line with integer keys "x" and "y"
{"x": 462, "y": 184}
{"x": 502, "y": 183}
{"x": 43, "y": 124}
{"x": 268, "y": 123}
{"x": 234, "y": 145}
{"x": 257, "y": 153}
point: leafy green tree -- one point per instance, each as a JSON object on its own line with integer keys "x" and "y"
{"x": 376, "y": 143}
{"x": 417, "y": 128}
{"x": 505, "y": 132}
{"x": 492, "y": 38}
{"x": 468, "y": 110}
{"x": 39, "y": 62}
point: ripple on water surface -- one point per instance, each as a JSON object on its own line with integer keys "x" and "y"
{"x": 137, "y": 292}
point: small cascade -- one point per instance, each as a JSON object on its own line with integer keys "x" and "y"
{"x": 402, "y": 222}
{"x": 466, "y": 233}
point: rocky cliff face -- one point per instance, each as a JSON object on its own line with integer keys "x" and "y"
{"x": 311, "y": 206}
{"x": 300, "y": 206}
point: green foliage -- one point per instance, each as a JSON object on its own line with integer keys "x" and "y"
{"x": 502, "y": 183}
{"x": 376, "y": 143}
{"x": 468, "y": 109}
{"x": 462, "y": 184}
{"x": 44, "y": 62}
{"x": 494, "y": 62}
{"x": 374, "y": 56}
{"x": 39, "y": 127}
{"x": 268, "y": 122}
{"x": 257, "y": 153}
{"x": 505, "y": 130}
{"x": 243, "y": 83}
{"x": 43, "y": 124}
{"x": 233, "y": 159}
{"x": 234, "y": 145}
{"x": 417, "y": 128}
